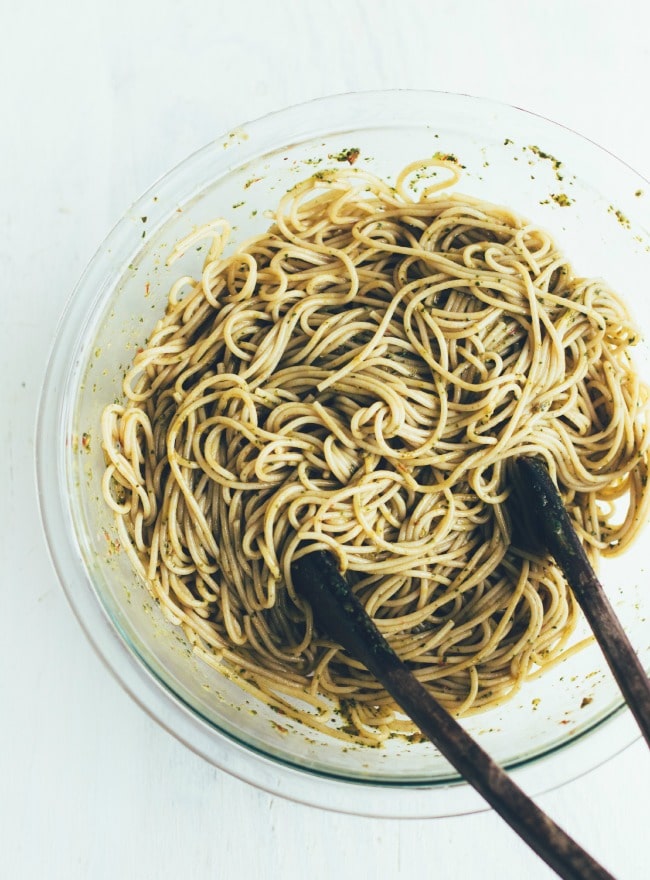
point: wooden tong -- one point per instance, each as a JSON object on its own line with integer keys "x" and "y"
{"x": 339, "y": 613}
{"x": 544, "y": 519}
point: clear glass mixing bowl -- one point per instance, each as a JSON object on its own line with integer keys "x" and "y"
{"x": 597, "y": 209}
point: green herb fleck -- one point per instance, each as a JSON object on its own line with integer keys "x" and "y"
{"x": 447, "y": 157}
{"x": 620, "y": 216}
{"x": 543, "y": 155}
{"x": 350, "y": 155}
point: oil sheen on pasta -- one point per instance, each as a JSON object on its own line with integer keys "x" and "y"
{"x": 356, "y": 379}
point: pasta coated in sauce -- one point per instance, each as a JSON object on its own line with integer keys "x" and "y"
{"x": 356, "y": 379}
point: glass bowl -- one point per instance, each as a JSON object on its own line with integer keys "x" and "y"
{"x": 559, "y": 725}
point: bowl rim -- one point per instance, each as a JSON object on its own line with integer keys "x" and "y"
{"x": 166, "y": 708}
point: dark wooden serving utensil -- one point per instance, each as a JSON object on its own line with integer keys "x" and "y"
{"x": 338, "y": 612}
{"x": 543, "y": 518}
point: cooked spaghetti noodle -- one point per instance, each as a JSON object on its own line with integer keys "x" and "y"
{"x": 356, "y": 380}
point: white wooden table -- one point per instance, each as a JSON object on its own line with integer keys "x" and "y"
{"x": 98, "y": 100}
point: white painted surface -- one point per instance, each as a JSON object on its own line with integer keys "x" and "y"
{"x": 96, "y": 102}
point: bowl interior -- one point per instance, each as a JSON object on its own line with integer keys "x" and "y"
{"x": 596, "y": 209}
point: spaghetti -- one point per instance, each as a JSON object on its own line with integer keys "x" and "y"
{"x": 356, "y": 380}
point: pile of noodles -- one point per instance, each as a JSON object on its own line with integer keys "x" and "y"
{"x": 356, "y": 379}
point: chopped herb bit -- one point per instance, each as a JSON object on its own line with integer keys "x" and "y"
{"x": 350, "y": 155}
{"x": 638, "y": 193}
{"x": 238, "y": 204}
{"x": 144, "y": 219}
{"x": 507, "y": 141}
{"x": 447, "y": 157}
{"x": 620, "y": 216}
{"x": 562, "y": 199}
{"x": 542, "y": 155}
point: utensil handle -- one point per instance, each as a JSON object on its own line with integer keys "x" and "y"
{"x": 620, "y": 655}
{"x": 530, "y": 822}
{"x": 341, "y": 615}
{"x": 554, "y": 523}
